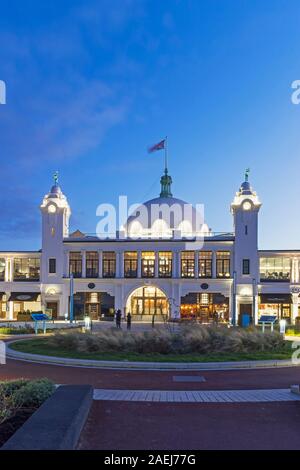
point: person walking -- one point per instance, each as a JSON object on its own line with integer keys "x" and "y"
{"x": 128, "y": 321}
{"x": 118, "y": 319}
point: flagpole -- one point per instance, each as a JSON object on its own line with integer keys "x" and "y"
{"x": 166, "y": 153}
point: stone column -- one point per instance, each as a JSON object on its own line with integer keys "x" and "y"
{"x": 295, "y": 304}
{"x": 83, "y": 254}
{"x": 100, "y": 264}
{"x": 156, "y": 264}
{"x": 7, "y": 269}
{"x": 174, "y": 264}
{"x": 214, "y": 265}
{"x": 295, "y": 271}
{"x": 178, "y": 264}
{"x": 196, "y": 264}
{"x": 11, "y": 270}
{"x": 9, "y": 307}
{"x": 121, "y": 264}
{"x": 139, "y": 265}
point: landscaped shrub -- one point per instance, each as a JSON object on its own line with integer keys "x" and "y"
{"x": 191, "y": 338}
{"x": 13, "y": 330}
{"x": 22, "y": 393}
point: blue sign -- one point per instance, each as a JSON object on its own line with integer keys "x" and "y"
{"x": 39, "y": 317}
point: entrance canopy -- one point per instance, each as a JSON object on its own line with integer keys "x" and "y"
{"x": 24, "y": 296}
{"x": 275, "y": 298}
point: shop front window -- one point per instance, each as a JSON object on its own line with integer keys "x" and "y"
{"x": 205, "y": 264}
{"x": 2, "y": 269}
{"x": 205, "y": 307}
{"x": 275, "y": 269}
{"x": 75, "y": 264}
{"x": 109, "y": 264}
{"x": 26, "y": 269}
{"x": 130, "y": 264}
{"x": 223, "y": 264}
{"x": 165, "y": 264}
{"x": 148, "y": 264}
{"x": 92, "y": 264}
{"x": 187, "y": 264}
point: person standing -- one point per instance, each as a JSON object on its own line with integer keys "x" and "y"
{"x": 118, "y": 319}
{"x": 128, "y": 321}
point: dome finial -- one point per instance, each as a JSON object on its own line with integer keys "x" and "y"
{"x": 55, "y": 178}
{"x": 247, "y": 174}
{"x": 166, "y": 182}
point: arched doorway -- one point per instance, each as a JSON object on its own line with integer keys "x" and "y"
{"x": 147, "y": 301}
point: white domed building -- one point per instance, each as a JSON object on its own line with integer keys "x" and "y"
{"x": 164, "y": 263}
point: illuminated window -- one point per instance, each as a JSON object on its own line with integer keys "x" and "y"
{"x": 223, "y": 263}
{"x": 148, "y": 264}
{"x": 92, "y": 264}
{"x": 75, "y": 264}
{"x": 165, "y": 264}
{"x": 26, "y": 269}
{"x": 130, "y": 264}
{"x": 275, "y": 269}
{"x": 187, "y": 264}
{"x": 109, "y": 264}
{"x": 205, "y": 264}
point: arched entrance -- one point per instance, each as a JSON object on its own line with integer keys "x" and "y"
{"x": 147, "y": 301}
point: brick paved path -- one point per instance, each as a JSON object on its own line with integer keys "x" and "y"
{"x": 216, "y": 396}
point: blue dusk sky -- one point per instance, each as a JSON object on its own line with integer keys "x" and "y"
{"x": 91, "y": 84}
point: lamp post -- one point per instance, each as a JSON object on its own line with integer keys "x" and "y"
{"x": 71, "y": 298}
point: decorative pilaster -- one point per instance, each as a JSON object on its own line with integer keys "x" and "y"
{"x": 295, "y": 306}
{"x": 139, "y": 265}
{"x": 156, "y": 265}
{"x": 196, "y": 254}
{"x": 83, "y": 254}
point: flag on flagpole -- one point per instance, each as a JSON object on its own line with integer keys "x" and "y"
{"x": 159, "y": 146}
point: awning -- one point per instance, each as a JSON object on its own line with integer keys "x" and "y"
{"x": 24, "y": 296}
{"x": 220, "y": 299}
{"x": 275, "y": 298}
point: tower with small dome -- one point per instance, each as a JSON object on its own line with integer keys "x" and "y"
{"x": 245, "y": 208}
{"x": 56, "y": 212}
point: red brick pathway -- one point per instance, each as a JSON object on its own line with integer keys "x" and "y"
{"x": 146, "y": 426}
{"x": 154, "y": 380}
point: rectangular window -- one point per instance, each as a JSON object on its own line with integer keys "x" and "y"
{"x": 109, "y": 264}
{"x": 187, "y": 264}
{"x": 205, "y": 264}
{"x": 75, "y": 264}
{"x": 165, "y": 264}
{"x": 246, "y": 266}
{"x": 92, "y": 264}
{"x": 130, "y": 263}
{"x": 148, "y": 263}
{"x": 52, "y": 265}
{"x": 2, "y": 269}
{"x": 223, "y": 263}
{"x": 275, "y": 269}
{"x": 26, "y": 269}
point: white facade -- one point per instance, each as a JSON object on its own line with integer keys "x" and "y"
{"x": 169, "y": 274}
